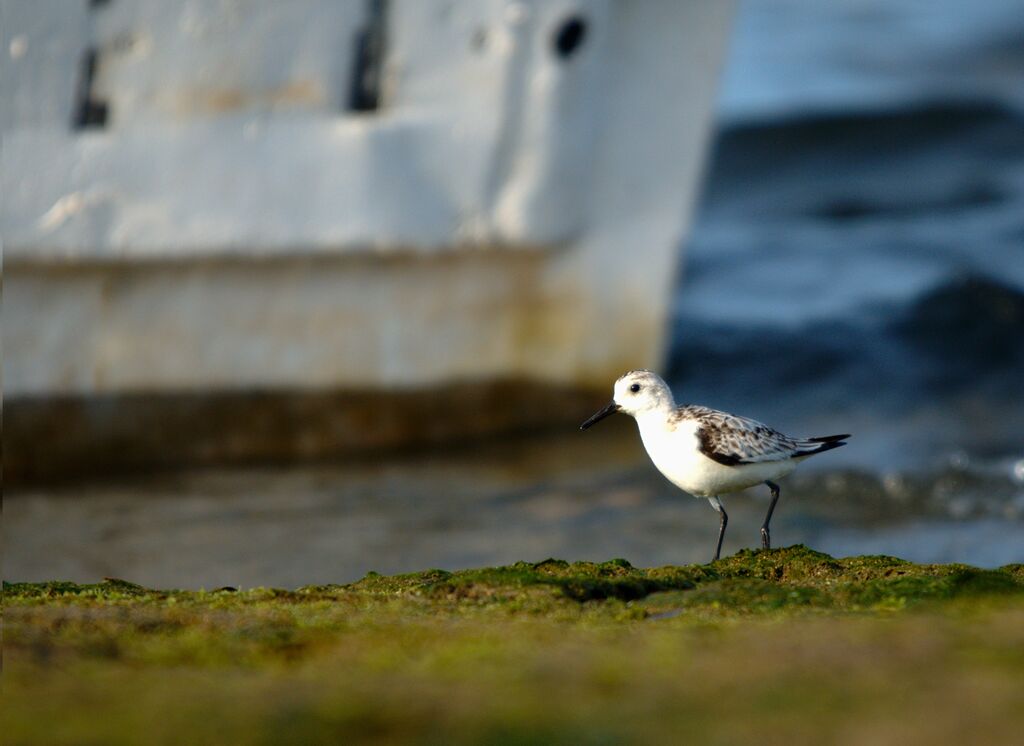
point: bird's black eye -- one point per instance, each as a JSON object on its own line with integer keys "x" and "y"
{"x": 635, "y": 387}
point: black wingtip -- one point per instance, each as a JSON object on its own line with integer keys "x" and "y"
{"x": 828, "y": 438}
{"x": 811, "y": 446}
{"x": 822, "y": 447}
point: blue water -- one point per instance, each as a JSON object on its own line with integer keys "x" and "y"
{"x": 857, "y": 261}
{"x": 807, "y": 56}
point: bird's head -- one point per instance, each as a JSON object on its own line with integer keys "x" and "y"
{"x": 636, "y": 393}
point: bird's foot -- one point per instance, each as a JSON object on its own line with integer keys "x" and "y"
{"x": 766, "y": 539}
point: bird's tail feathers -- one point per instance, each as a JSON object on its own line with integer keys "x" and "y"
{"x": 810, "y": 446}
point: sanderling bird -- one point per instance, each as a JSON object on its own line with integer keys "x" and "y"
{"x": 706, "y": 452}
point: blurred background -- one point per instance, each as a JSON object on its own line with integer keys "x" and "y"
{"x": 296, "y": 294}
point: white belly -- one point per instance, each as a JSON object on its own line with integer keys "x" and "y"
{"x": 676, "y": 454}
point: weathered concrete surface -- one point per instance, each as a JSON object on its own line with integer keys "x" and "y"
{"x": 510, "y": 210}
{"x": 52, "y": 438}
{"x": 308, "y": 322}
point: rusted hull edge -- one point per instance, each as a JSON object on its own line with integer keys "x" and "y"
{"x": 47, "y": 439}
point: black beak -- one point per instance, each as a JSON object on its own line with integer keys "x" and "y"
{"x": 609, "y": 410}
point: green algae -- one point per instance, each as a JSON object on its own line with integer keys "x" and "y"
{"x": 796, "y": 576}
{"x": 790, "y": 642}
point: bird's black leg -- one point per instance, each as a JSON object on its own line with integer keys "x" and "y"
{"x": 723, "y": 522}
{"x": 766, "y": 538}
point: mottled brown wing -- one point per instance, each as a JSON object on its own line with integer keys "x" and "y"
{"x": 733, "y": 440}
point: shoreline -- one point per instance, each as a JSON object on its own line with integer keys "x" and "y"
{"x": 792, "y": 641}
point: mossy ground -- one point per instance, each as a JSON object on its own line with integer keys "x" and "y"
{"x": 785, "y": 646}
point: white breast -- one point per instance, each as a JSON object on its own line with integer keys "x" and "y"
{"x": 676, "y": 454}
